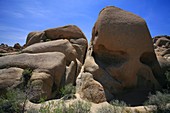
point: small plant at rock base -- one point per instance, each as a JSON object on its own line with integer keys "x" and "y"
{"x": 27, "y": 73}
{"x": 160, "y": 100}
{"x": 167, "y": 74}
{"x": 118, "y": 103}
{"x": 61, "y": 107}
{"x": 79, "y": 107}
{"x": 115, "y": 106}
{"x": 12, "y": 101}
{"x": 68, "y": 91}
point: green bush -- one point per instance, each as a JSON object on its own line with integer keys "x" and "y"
{"x": 26, "y": 74}
{"x": 68, "y": 91}
{"x": 79, "y": 107}
{"x": 61, "y": 107}
{"x": 160, "y": 100}
{"x": 11, "y": 101}
{"x": 167, "y": 74}
{"x": 118, "y": 103}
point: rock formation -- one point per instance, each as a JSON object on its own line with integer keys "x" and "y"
{"x": 120, "y": 61}
{"x": 55, "y": 57}
{"x": 4, "y": 48}
{"x": 162, "y": 50}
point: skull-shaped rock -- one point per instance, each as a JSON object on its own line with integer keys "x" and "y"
{"x": 121, "y": 57}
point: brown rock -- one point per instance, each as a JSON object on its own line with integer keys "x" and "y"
{"x": 33, "y": 61}
{"x": 17, "y": 46}
{"x": 34, "y": 37}
{"x": 120, "y": 55}
{"x": 63, "y": 46}
{"x": 90, "y": 89}
{"x": 41, "y": 84}
{"x": 44, "y": 65}
{"x": 10, "y": 78}
{"x": 162, "y": 41}
{"x": 65, "y": 32}
{"x": 71, "y": 33}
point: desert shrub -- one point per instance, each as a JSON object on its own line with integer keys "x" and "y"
{"x": 79, "y": 107}
{"x": 26, "y": 74}
{"x": 167, "y": 74}
{"x": 160, "y": 100}
{"x": 68, "y": 91}
{"x": 116, "y": 107}
{"x": 12, "y": 101}
{"x": 118, "y": 103}
{"x": 61, "y": 107}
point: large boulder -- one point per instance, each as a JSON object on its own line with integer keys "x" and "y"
{"x": 48, "y": 70}
{"x": 54, "y": 58}
{"x": 121, "y": 57}
{"x": 65, "y": 32}
{"x": 62, "y": 45}
{"x": 70, "y": 32}
{"x": 34, "y": 37}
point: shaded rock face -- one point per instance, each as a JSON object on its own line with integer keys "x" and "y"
{"x": 121, "y": 58}
{"x": 55, "y": 57}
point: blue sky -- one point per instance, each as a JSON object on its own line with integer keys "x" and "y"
{"x": 19, "y": 17}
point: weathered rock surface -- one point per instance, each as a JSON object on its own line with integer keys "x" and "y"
{"x": 66, "y": 32}
{"x": 121, "y": 58}
{"x": 63, "y": 46}
{"x": 10, "y": 78}
{"x": 34, "y": 37}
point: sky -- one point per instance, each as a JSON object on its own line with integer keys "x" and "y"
{"x": 19, "y": 17}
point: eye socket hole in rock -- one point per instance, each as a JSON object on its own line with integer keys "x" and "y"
{"x": 106, "y": 58}
{"x": 149, "y": 59}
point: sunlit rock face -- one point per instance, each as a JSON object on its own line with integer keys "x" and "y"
{"x": 120, "y": 61}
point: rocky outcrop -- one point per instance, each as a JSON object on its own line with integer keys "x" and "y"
{"x": 51, "y": 64}
{"x": 55, "y": 57}
{"x": 121, "y": 59}
{"x": 162, "y": 50}
{"x": 120, "y": 62}
{"x": 4, "y": 48}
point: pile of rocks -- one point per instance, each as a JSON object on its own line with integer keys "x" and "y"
{"x": 120, "y": 62}
{"x": 4, "y": 48}
{"x": 162, "y": 50}
{"x": 54, "y": 63}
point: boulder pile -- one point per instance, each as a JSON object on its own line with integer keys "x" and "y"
{"x": 54, "y": 56}
{"x": 119, "y": 63}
